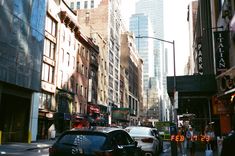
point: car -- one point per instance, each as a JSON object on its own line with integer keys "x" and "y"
{"x": 159, "y": 137}
{"x": 98, "y": 141}
{"x": 145, "y": 136}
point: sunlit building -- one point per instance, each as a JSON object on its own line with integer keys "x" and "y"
{"x": 140, "y": 25}
{"x": 132, "y": 65}
{"x": 104, "y": 18}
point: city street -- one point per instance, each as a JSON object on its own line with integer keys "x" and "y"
{"x": 167, "y": 151}
{"x": 41, "y": 149}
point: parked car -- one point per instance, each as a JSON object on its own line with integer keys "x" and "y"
{"x": 98, "y": 141}
{"x": 145, "y": 136}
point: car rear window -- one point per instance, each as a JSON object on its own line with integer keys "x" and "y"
{"x": 138, "y": 131}
{"x": 87, "y": 142}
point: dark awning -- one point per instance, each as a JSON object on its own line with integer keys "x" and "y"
{"x": 193, "y": 85}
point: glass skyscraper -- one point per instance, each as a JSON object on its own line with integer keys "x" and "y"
{"x": 153, "y": 10}
{"x": 140, "y": 25}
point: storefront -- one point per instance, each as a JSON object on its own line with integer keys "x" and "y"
{"x": 121, "y": 116}
{"x": 223, "y": 103}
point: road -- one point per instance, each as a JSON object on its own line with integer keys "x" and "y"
{"x": 34, "y": 152}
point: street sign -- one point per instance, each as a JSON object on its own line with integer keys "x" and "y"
{"x": 176, "y": 100}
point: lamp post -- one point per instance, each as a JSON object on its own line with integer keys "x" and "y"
{"x": 173, "y": 129}
{"x": 174, "y": 85}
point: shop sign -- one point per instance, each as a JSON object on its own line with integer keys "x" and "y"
{"x": 200, "y": 61}
{"x": 120, "y": 113}
{"x": 226, "y": 83}
{"x": 93, "y": 109}
{"x": 221, "y": 39}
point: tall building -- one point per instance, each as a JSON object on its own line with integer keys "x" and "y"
{"x": 153, "y": 9}
{"x": 132, "y": 65}
{"x": 192, "y": 17}
{"x": 140, "y": 25}
{"x": 21, "y": 52}
{"x": 104, "y": 18}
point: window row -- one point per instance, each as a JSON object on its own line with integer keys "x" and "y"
{"x": 82, "y": 69}
{"x": 68, "y": 83}
{"x": 70, "y": 39}
{"x": 78, "y": 5}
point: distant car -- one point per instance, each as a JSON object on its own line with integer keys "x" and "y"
{"x": 145, "y": 136}
{"x": 99, "y": 141}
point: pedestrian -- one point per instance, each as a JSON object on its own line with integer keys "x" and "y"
{"x": 182, "y": 143}
{"x": 210, "y": 134}
{"x": 229, "y": 141}
{"x": 191, "y": 142}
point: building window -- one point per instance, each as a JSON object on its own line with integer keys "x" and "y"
{"x": 116, "y": 73}
{"x": 111, "y": 69}
{"x": 85, "y": 94}
{"x": 85, "y": 4}
{"x": 110, "y": 56}
{"x": 72, "y": 5}
{"x": 78, "y": 5}
{"x": 87, "y": 54}
{"x": 45, "y": 101}
{"x": 92, "y": 4}
{"x": 47, "y": 73}
{"x": 63, "y": 36}
{"x": 116, "y": 85}
{"x": 73, "y": 62}
{"x": 49, "y": 48}
{"x": 110, "y": 82}
{"x": 60, "y": 79}
{"x": 83, "y": 70}
{"x": 77, "y": 66}
{"x": 69, "y": 40}
{"x": 68, "y": 58}
{"x": 62, "y": 56}
{"x": 51, "y": 25}
{"x": 76, "y": 88}
{"x": 81, "y": 90}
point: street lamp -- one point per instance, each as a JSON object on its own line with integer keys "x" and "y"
{"x": 174, "y": 87}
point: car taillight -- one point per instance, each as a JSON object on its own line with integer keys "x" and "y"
{"x": 104, "y": 153}
{"x": 147, "y": 140}
{"x": 52, "y": 150}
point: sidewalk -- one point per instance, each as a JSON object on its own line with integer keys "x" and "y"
{"x": 167, "y": 151}
{"x": 18, "y": 146}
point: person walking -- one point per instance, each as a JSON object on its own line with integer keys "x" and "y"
{"x": 191, "y": 142}
{"x": 229, "y": 141}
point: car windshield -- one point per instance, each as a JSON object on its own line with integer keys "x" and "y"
{"x": 87, "y": 142}
{"x": 138, "y": 131}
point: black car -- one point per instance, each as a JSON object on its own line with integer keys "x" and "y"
{"x": 99, "y": 141}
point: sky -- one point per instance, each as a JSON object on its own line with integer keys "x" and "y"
{"x": 175, "y": 28}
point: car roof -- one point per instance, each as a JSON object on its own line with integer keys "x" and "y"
{"x": 142, "y": 127}
{"x": 97, "y": 129}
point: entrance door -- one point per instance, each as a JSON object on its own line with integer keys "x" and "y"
{"x": 14, "y": 116}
